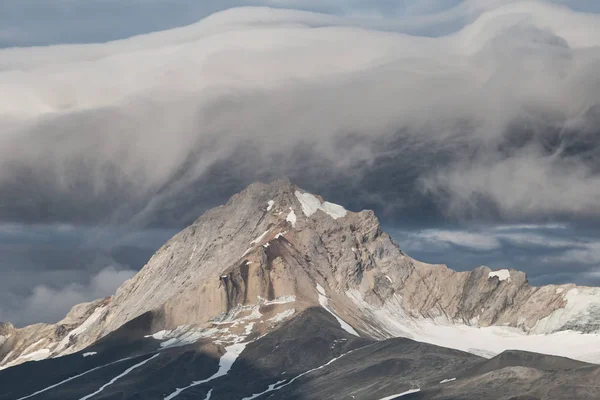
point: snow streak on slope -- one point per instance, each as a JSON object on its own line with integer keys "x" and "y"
{"x": 282, "y": 315}
{"x": 116, "y": 378}
{"x": 274, "y": 387}
{"x": 260, "y": 238}
{"x": 72, "y": 378}
{"x": 271, "y": 388}
{"x": 325, "y": 304}
{"x": 226, "y": 362}
{"x": 37, "y": 355}
{"x": 400, "y": 394}
{"x": 291, "y": 218}
{"x": 80, "y": 329}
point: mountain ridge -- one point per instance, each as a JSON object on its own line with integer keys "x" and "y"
{"x": 274, "y": 250}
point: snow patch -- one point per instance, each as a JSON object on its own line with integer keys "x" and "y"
{"x": 335, "y": 211}
{"x": 400, "y": 394}
{"x": 325, "y": 304}
{"x": 225, "y": 363}
{"x": 276, "y": 386}
{"x": 282, "y": 316}
{"x": 248, "y": 328}
{"x": 189, "y": 336}
{"x": 311, "y": 204}
{"x": 184, "y": 335}
{"x": 502, "y": 274}
{"x": 5, "y": 359}
{"x": 291, "y": 218}
{"x": 389, "y": 279}
{"x": 447, "y": 380}
{"x": 90, "y": 353}
{"x": 270, "y": 205}
{"x": 260, "y": 238}
{"x": 37, "y": 355}
{"x": 193, "y": 252}
{"x": 30, "y": 348}
{"x": 81, "y": 328}
{"x": 278, "y": 300}
{"x": 269, "y": 389}
{"x": 232, "y": 315}
{"x": 280, "y": 234}
{"x": 160, "y": 335}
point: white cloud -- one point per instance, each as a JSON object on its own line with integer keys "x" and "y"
{"x": 476, "y": 241}
{"x": 133, "y": 115}
{"x": 495, "y": 237}
{"x": 586, "y": 253}
{"x": 539, "y": 239}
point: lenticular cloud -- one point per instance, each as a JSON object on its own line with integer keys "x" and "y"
{"x": 502, "y": 113}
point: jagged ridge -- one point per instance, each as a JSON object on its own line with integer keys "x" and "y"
{"x": 266, "y": 250}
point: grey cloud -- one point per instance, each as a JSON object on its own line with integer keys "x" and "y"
{"x": 496, "y": 121}
{"x": 66, "y": 264}
{"x": 47, "y": 304}
{"x": 548, "y": 253}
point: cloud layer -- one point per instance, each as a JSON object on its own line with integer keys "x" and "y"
{"x": 497, "y": 119}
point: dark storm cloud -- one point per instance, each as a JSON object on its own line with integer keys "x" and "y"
{"x": 46, "y": 269}
{"x": 496, "y": 121}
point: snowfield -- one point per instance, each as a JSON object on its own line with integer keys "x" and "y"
{"x": 391, "y": 321}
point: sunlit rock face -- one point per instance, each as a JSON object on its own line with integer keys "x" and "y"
{"x": 274, "y": 250}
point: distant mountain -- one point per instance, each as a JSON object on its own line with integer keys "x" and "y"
{"x": 282, "y": 293}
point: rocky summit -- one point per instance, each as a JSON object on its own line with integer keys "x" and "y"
{"x": 280, "y": 294}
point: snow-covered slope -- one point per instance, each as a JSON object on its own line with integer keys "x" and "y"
{"x": 275, "y": 250}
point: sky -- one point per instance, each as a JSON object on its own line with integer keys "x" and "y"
{"x": 469, "y": 126}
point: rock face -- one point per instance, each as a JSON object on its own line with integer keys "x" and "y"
{"x": 274, "y": 251}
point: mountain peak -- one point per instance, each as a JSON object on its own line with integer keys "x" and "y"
{"x": 274, "y": 250}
